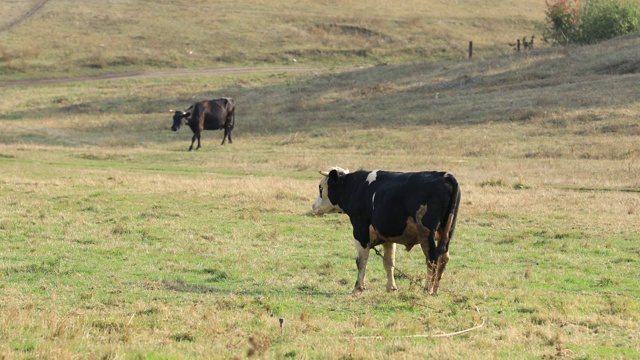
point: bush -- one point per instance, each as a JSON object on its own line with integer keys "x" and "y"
{"x": 606, "y": 19}
{"x": 589, "y": 21}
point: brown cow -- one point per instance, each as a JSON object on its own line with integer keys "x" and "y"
{"x": 213, "y": 114}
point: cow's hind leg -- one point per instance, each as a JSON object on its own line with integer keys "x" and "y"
{"x": 226, "y": 134}
{"x": 443, "y": 259}
{"x": 361, "y": 263}
{"x": 193, "y": 139}
{"x": 430, "y": 251}
{"x": 389, "y": 264}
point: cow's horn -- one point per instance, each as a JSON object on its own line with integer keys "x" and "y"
{"x": 172, "y": 111}
{"x": 324, "y": 173}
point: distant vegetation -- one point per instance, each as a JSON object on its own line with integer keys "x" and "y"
{"x": 590, "y": 21}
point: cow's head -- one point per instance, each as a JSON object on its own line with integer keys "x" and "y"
{"x": 327, "y": 201}
{"x": 179, "y": 118}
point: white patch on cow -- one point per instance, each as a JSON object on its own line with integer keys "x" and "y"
{"x": 372, "y": 176}
{"x": 373, "y": 201}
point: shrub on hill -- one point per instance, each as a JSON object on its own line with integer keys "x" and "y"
{"x": 590, "y": 21}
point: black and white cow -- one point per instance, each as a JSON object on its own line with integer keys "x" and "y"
{"x": 392, "y": 208}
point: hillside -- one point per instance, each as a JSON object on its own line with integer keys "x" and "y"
{"x": 549, "y": 103}
{"x": 594, "y": 82}
{"x": 66, "y": 37}
{"x": 564, "y": 91}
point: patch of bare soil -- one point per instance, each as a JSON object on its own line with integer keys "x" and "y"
{"x": 24, "y": 17}
{"x": 156, "y": 73}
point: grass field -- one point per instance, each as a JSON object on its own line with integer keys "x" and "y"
{"x": 115, "y": 242}
{"x": 115, "y": 35}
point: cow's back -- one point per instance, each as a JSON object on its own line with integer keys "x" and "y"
{"x": 213, "y": 113}
{"x": 397, "y": 196}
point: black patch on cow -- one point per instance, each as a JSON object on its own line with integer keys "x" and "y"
{"x": 398, "y": 196}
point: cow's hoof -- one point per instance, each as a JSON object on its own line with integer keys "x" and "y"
{"x": 358, "y": 290}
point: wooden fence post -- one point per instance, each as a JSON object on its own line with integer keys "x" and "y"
{"x": 470, "y": 49}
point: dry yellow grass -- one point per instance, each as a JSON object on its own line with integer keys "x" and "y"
{"x": 96, "y": 37}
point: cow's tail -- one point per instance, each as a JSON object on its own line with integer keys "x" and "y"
{"x": 233, "y": 117}
{"x": 231, "y": 114}
{"x": 452, "y": 209}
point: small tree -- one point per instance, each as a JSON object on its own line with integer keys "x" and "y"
{"x": 563, "y": 16}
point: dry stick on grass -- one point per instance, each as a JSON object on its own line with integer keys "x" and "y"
{"x": 428, "y": 335}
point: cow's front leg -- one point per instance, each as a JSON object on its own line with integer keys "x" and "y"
{"x": 361, "y": 263}
{"x": 390, "y": 264}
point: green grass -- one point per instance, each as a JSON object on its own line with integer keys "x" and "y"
{"x": 115, "y": 242}
{"x": 201, "y": 259}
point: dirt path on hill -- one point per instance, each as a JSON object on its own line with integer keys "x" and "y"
{"x": 134, "y": 74}
{"x": 157, "y": 73}
{"x": 39, "y": 5}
